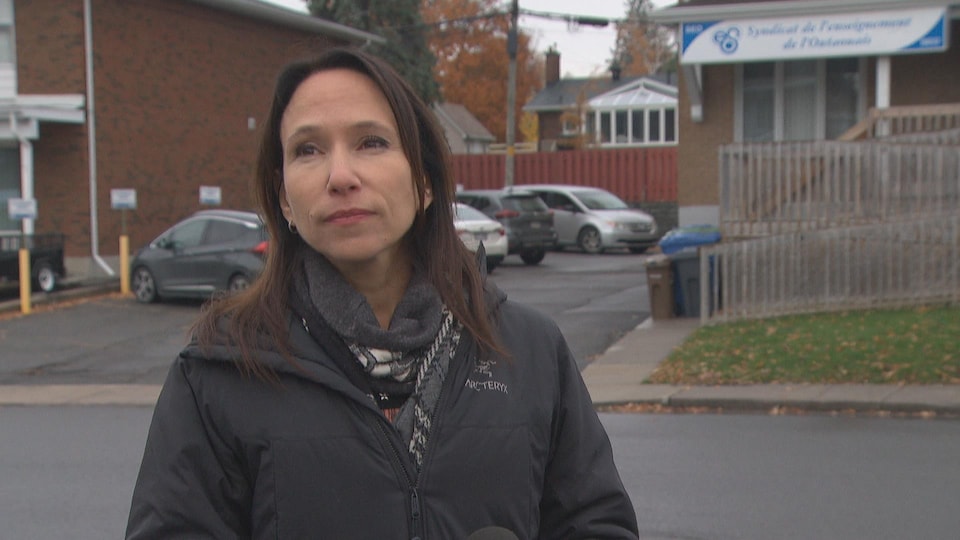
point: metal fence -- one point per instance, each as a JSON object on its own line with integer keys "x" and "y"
{"x": 906, "y": 262}
{"x": 777, "y": 188}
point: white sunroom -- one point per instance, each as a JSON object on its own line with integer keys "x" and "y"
{"x": 640, "y": 113}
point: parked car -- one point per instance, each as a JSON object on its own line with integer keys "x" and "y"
{"x": 46, "y": 259}
{"x": 474, "y": 227}
{"x": 525, "y": 217}
{"x": 208, "y": 252}
{"x": 595, "y": 219}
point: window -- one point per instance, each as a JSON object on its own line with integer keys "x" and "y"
{"x": 604, "y": 127}
{"x": 637, "y": 118}
{"x": 225, "y": 232}
{"x": 188, "y": 235}
{"x": 758, "y": 101}
{"x": 622, "y": 126}
{"x": 843, "y": 94}
{"x": 653, "y": 133}
{"x": 9, "y": 185}
{"x": 670, "y": 125}
{"x": 798, "y": 100}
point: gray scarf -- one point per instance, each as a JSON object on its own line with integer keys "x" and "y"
{"x": 417, "y": 347}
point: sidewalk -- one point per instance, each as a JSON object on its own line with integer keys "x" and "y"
{"x": 616, "y": 378}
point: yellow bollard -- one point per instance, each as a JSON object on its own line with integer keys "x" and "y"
{"x": 124, "y": 264}
{"x": 25, "y": 281}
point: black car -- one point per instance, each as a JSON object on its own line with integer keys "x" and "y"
{"x": 528, "y": 221}
{"x": 210, "y": 251}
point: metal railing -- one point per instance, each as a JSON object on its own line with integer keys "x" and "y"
{"x": 906, "y": 262}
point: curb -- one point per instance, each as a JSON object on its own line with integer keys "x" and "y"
{"x": 907, "y": 399}
{"x": 68, "y": 292}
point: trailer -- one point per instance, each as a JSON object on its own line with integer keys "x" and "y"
{"x": 46, "y": 259}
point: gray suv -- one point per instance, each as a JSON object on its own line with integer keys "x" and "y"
{"x": 595, "y": 219}
{"x": 527, "y": 220}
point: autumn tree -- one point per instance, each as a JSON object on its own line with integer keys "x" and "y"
{"x": 400, "y": 23}
{"x": 642, "y": 47}
{"x": 469, "y": 40}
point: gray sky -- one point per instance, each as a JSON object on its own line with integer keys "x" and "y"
{"x": 583, "y": 52}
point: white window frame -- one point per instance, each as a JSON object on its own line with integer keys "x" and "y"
{"x": 632, "y": 138}
{"x": 778, "y": 99}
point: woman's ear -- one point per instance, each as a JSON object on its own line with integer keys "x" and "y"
{"x": 427, "y": 196}
{"x": 284, "y": 203}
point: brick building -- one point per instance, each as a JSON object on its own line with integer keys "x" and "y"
{"x": 782, "y": 71}
{"x": 157, "y": 96}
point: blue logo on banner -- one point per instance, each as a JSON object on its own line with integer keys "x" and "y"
{"x": 934, "y": 39}
{"x": 728, "y": 40}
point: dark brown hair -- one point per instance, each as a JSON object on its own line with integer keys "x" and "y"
{"x": 261, "y": 311}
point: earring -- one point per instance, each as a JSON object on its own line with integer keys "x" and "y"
{"x": 292, "y": 227}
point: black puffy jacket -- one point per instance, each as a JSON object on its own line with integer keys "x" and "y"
{"x": 514, "y": 444}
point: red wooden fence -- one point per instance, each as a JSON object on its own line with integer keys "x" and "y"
{"x": 634, "y": 174}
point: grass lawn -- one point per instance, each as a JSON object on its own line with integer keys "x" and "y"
{"x": 915, "y": 346}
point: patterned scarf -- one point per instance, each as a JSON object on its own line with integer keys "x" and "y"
{"x": 411, "y": 356}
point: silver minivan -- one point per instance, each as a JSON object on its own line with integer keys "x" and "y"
{"x": 594, "y": 219}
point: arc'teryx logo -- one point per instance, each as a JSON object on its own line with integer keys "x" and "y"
{"x": 484, "y": 372}
{"x": 728, "y": 39}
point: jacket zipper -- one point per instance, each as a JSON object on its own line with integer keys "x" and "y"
{"x": 416, "y": 525}
{"x": 416, "y": 512}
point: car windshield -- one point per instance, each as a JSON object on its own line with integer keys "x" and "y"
{"x": 600, "y": 200}
{"x": 524, "y": 203}
{"x": 468, "y": 213}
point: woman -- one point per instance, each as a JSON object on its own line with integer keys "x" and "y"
{"x": 370, "y": 384}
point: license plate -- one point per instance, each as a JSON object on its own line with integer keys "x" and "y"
{"x": 535, "y": 225}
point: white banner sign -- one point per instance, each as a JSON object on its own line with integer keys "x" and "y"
{"x": 22, "y": 208}
{"x": 851, "y": 34}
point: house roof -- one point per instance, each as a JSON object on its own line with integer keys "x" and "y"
{"x": 705, "y": 10}
{"x": 458, "y": 118}
{"x": 564, "y": 94}
{"x": 293, "y": 19}
{"x": 640, "y": 94}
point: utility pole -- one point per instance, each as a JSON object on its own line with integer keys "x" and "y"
{"x": 511, "y": 92}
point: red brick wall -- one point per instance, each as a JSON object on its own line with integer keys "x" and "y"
{"x": 175, "y": 83}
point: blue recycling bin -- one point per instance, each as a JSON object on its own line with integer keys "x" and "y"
{"x": 681, "y": 245}
{"x": 688, "y": 238}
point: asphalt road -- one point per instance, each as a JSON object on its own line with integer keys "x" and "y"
{"x": 68, "y": 473}
{"x": 112, "y": 339}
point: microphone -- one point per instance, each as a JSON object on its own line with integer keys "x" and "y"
{"x": 492, "y": 533}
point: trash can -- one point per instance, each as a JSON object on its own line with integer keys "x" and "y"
{"x": 685, "y": 266}
{"x": 688, "y": 238}
{"x": 660, "y": 287}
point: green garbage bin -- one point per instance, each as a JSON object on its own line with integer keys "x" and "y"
{"x": 660, "y": 287}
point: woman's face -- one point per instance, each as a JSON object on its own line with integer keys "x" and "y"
{"x": 347, "y": 185}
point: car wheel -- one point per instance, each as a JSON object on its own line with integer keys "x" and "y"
{"x": 238, "y": 282}
{"x": 144, "y": 286}
{"x": 638, "y": 249}
{"x": 46, "y": 278}
{"x": 589, "y": 240}
{"x": 532, "y": 256}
